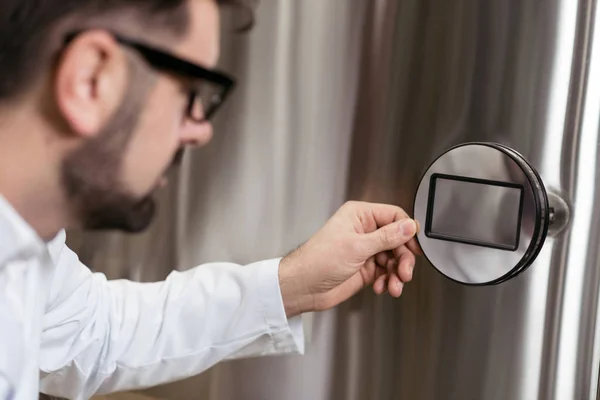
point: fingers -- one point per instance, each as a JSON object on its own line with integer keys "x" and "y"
{"x": 388, "y": 279}
{"x": 372, "y": 271}
{"x": 413, "y": 244}
{"x": 395, "y": 286}
{"x": 414, "y": 247}
{"x": 382, "y": 259}
{"x": 389, "y": 237}
{"x": 393, "y": 273}
{"x": 382, "y": 271}
{"x": 375, "y": 217}
{"x": 380, "y": 285}
{"x": 406, "y": 265}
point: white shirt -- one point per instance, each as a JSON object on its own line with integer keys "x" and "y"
{"x": 71, "y": 333}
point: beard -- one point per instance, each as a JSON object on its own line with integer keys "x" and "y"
{"x": 120, "y": 212}
{"x": 90, "y": 177}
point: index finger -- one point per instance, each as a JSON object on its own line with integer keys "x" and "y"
{"x": 413, "y": 246}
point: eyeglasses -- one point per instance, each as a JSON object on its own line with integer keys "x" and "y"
{"x": 209, "y": 90}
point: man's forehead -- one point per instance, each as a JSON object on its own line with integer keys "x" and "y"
{"x": 201, "y": 43}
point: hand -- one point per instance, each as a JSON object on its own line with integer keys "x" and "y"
{"x": 362, "y": 244}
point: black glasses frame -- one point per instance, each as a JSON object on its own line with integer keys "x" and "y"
{"x": 163, "y": 60}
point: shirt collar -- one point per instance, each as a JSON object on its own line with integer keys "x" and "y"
{"x": 18, "y": 240}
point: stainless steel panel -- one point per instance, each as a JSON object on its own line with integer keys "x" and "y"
{"x": 519, "y": 73}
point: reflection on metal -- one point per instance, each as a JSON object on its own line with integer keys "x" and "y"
{"x": 351, "y": 99}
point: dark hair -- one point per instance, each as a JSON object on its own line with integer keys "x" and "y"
{"x": 27, "y": 29}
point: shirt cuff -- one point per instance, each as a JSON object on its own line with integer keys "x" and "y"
{"x": 287, "y": 334}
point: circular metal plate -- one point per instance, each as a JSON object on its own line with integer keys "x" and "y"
{"x": 485, "y": 213}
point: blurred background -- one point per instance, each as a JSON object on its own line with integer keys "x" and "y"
{"x": 352, "y": 99}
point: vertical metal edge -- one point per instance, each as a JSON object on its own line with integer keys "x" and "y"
{"x": 593, "y": 67}
{"x": 571, "y": 352}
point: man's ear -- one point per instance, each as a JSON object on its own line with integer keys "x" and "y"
{"x": 90, "y": 82}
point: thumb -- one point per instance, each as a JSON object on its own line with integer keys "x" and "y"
{"x": 390, "y": 236}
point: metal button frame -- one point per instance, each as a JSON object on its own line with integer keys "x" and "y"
{"x": 467, "y": 264}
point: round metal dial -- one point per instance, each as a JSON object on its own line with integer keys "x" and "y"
{"x": 485, "y": 214}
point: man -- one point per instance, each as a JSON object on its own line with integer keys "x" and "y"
{"x": 97, "y": 98}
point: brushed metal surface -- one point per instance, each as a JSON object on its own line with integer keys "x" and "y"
{"x": 519, "y": 73}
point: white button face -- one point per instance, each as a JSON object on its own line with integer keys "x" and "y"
{"x": 485, "y": 212}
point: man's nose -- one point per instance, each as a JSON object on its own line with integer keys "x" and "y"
{"x": 196, "y": 134}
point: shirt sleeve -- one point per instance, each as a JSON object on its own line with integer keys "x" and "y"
{"x": 103, "y": 336}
